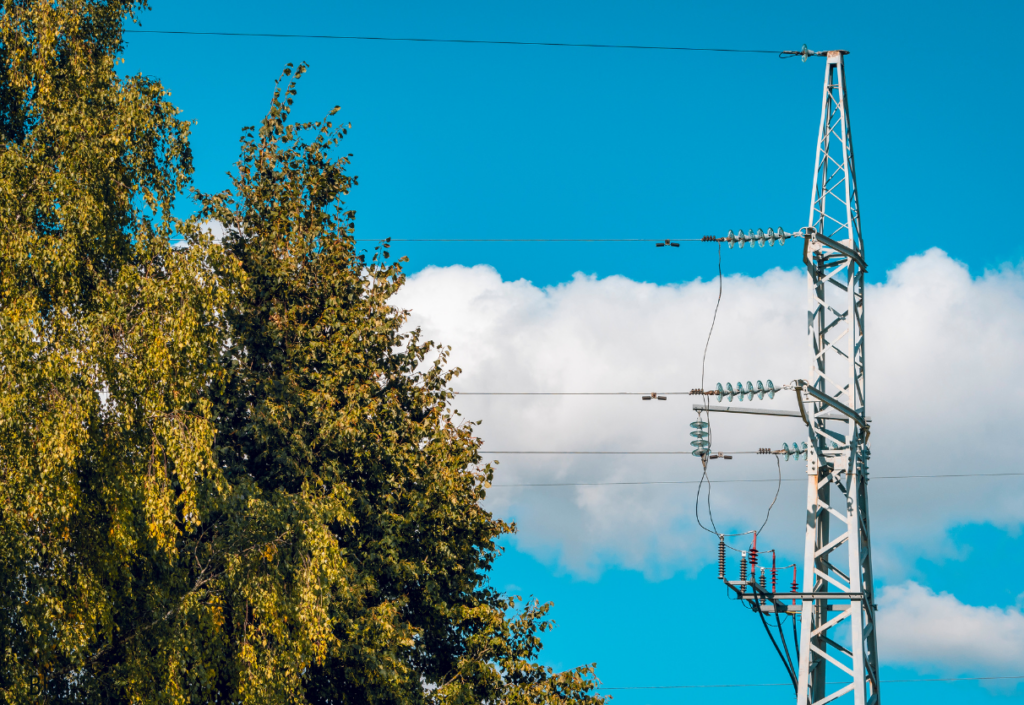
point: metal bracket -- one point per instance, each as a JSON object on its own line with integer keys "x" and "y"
{"x": 765, "y": 412}
{"x": 829, "y": 401}
{"x": 844, "y": 249}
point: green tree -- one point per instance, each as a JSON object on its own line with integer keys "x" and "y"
{"x": 335, "y": 428}
{"x": 108, "y": 347}
{"x": 226, "y": 473}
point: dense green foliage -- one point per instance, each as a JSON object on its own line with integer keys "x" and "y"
{"x": 226, "y": 473}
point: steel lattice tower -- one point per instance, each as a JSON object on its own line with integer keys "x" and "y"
{"x": 837, "y": 653}
{"x": 838, "y": 610}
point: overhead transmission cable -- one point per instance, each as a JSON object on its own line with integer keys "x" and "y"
{"x": 786, "y": 660}
{"x": 564, "y": 394}
{"x": 724, "y": 453}
{"x": 598, "y": 452}
{"x": 751, "y": 238}
{"x": 747, "y": 480}
{"x": 804, "y": 52}
{"x": 659, "y": 242}
{"x": 779, "y": 685}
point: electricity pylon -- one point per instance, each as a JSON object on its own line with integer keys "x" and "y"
{"x": 838, "y": 610}
{"x": 836, "y": 603}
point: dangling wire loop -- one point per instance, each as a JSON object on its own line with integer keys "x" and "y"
{"x": 704, "y": 438}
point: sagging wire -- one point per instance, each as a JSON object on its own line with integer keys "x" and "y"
{"x": 705, "y": 457}
{"x": 796, "y": 639}
{"x": 760, "y": 390}
{"x": 785, "y": 659}
{"x": 714, "y": 529}
{"x": 714, "y": 317}
{"x": 707, "y": 408}
{"x": 778, "y": 486}
{"x": 784, "y": 655}
{"x": 436, "y": 40}
{"x": 785, "y": 646}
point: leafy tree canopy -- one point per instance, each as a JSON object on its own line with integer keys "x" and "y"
{"x": 228, "y": 473}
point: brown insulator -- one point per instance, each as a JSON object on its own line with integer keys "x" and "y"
{"x": 721, "y": 558}
{"x": 796, "y": 585}
{"x": 743, "y": 569}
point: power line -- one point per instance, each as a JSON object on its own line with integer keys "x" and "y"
{"x": 426, "y": 40}
{"x": 790, "y": 685}
{"x": 659, "y": 242}
{"x": 589, "y": 452}
{"x": 639, "y": 482}
{"x": 750, "y": 237}
{"x": 745, "y": 480}
{"x": 563, "y": 394}
{"x": 532, "y": 239}
{"x": 716, "y": 454}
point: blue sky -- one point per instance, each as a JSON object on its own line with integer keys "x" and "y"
{"x": 454, "y": 141}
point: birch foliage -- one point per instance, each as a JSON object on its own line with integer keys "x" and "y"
{"x": 227, "y": 474}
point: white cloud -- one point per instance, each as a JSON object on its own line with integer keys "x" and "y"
{"x": 214, "y": 228}
{"x": 942, "y": 353}
{"x": 940, "y": 634}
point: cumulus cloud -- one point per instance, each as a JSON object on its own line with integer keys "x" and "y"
{"x": 941, "y": 357}
{"x": 936, "y": 632}
{"x": 214, "y": 228}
